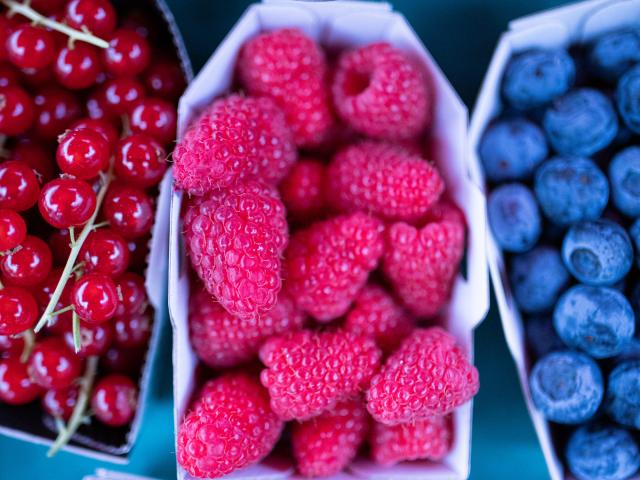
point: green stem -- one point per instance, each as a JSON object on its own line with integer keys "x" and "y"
{"x": 29, "y": 341}
{"x": 77, "y": 340}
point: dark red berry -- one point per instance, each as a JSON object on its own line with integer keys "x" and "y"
{"x": 67, "y": 202}
{"x": 133, "y": 294}
{"x": 38, "y": 77}
{"x": 121, "y": 94}
{"x": 8, "y": 75}
{"x": 56, "y": 109}
{"x": 164, "y": 79}
{"x": 83, "y": 153}
{"x": 138, "y": 252}
{"x": 122, "y": 360}
{"x": 114, "y": 400}
{"x": 60, "y": 243}
{"x": 78, "y": 67}
{"x": 19, "y": 187}
{"x": 156, "y": 118}
{"x": 140, "y": 161}
{"x": 105, "y": 252}
{"x": 11, "y": 346}
{"x": 16, "y": 111}
{"x": 97, "y": 107}
{"x": 60, "y": 403}
{"x": 47, "y": 7}
{"x": 30, "y": 47}
{"x": 97, "y": 16}
{"x": 142, "y": 23}
{"x": 16, "y": 386}
{"x": 18, "y": 310}
{"x": 99, "y": 125}
{"x": 132, "y": 331}
{"x": 58, "y": 324}
{"x": 53, "y": 365}
{"x": 29, "y": 265}
{"x": 95, "y": 298}
{"x": 37, "y": 156}
{"x": 129, "y": 211}
{"x": 128, "y": 53}
{"x": 94, "y": 339}
{"x": 13, "y": 229}
{"x": 6, "y": 27}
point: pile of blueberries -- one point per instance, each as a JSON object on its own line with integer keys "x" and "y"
{"x": 563, "y": 163}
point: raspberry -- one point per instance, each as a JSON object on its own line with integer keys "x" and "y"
{"x": 235, "y": 239}
{"x": 428, "y": 439}
{"x": 303, "y": 189}
{"x": 310, "y": 372}
{"x": 383, "y": 179}
{"x": 327, "y": 263}
{"x": 422, "y": 264}
{"x": 326, "y": 444}
{"x": 381, "y": 93}
{"x": 234, "y": 138}
{"x": 289, "y": 67}
{"x": 375, "y": 313}
{"x": 231, "y": 427}
{"x": 224, "y": 340}
{"x": 428, "y": 375}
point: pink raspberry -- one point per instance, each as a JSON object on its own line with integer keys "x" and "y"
{"x": 310, "y": 372}
{"x": 428, "y": 439}
{"x": 231, "y": 427}
{"x": 303, "y": 190}
{"x": 290, "y": 68}
{"x": 422, "y": 264}
{"x": 235, "y": 238}
{"x": 326, "y": 444}
{"x": 383, "y": 179}
{"x": 376, "y": 314}
{"x": 428, "y": 375}
{"x": 327, "y": 263}
{"x": 224, "y": 340}
{"x": 380, "y": 92}
{"x": 235, "y": 138}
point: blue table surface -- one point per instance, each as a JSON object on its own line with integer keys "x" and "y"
{"x": 461, "y": 35}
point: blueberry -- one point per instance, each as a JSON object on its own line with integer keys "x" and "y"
{"x": 566, "y": 387}
{"x": 537, "y": 278}
{"x": 602, "y": 452}
{"x": 624, "y": 174}
{"x": 514, "y": 217}
{"x": 571, "y": 189}
{"x": 613, "y": 53}
{"x": 597, "y": 252}
{"x": 628, "y": 98}
{"x": 597, "y": 320}
{"x": 634, "y": 233}
{"x": 581, "y": 123}
{"x": 541, "y": 336}
{"x": 535, "y": 77}
{"x": 630, "y": 351}
{"x": 623, "y": 394}
{"x": 512, "y": 149}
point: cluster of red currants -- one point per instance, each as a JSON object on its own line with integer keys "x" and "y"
{"x": 87, "y": 108}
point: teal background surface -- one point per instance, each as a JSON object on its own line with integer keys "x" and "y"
{"x": 461, "y": 35}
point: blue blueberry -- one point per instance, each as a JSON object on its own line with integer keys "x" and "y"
{"x": 614, "y": 53}
{"x": 602, "y": 452}
{"x": 537, "y": 279}
{"x": 624, "y": 174}
{"x": 571, "y": 189}
{"x": 541, "y": 336}
{"x": 628, "y": 98}
{"x": 581, "y": 123}
{"x": 634, "y": 233}
{"x": 535, "y": 77}
{"x": 514, "y": 217}
{"x": 630, "y": 351}
{"x": 566, "y": 387}
{"x": 596, "y": 320}
{"x": 623, "y": 394}
{"x": 597, "y": 252}
{"x": 511, "y": 149}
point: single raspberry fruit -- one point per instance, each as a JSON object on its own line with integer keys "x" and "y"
{"x": 383, "y": 179}
{"x": 327, "y": 263}
{"x": 231, "y": 427}
{"x": 326, "y": 444}
{"x": 303, "y": 190}
{"x": 289, "y": 67}
{"x": 376, "y": 314}
{"x": 380, "y": 92}
{"x": 428, "y": 439}
{"x": 428, "y": 375}
{"x": 236, "y": 137}
{"x": 310, "y": 372}
{"x": 224, "y": 340}
{"x": 235, "y": 239}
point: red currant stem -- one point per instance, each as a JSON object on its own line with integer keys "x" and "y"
{"x": 76, "y": 268}
{"x": 4, "y": 153}
{"x": 1, "y": 285}
{"x": 72, "y": 235}
{"x": 126, "y": 126}
{"x": 100, "y": 225}
{"x": 74, "y": 35}
{"x": 29, "y": 341}
{"x": 77, "y": 417}
{"x": 77, "y": 341}
{"x": 61, "y": 311}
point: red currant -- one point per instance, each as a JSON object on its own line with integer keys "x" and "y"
{"x": 94, "y": 339}
{"x": 98, "y": 16}
{"x": 102, "y": 126}
{"x": 121, "y": 94}
{"x": 53, "y": 365}
{"x": 129, "y": 211}
{"x": 164, "y": 79}
{"x": 13, "y": 230}
{"x": 95, "y": 298}
{"x": 122, "y": 360}
{"x": 30, "y": 47}
{"x": 56, "y": 109}
{"x": 37, "y": 156}
{"x": 16, "y": 111}
{"x": 57, "y": 324}
{"x": 8, "y": 75}
{"x": 138, "y": 252}
{"x": 67, "y": 202}
{"x": 105, "y": 252}
{"x": 132, "y": 331}
{"x": 60, "y": 403}
{"x": 16, "y": 386}
{"x": 114, "y": 400}
{"x": 142, "y": 23}
{"x": 18, "y": 310}
{"x": 140, "y": 161}
{"x": 77, "y": 67}
{"x": 19, "y": 188}
{"x": 6, "y": 27}
{"x": 37, "y": 77}
{"x": 28, "y": 265}
{"x": 133, "y": 294}
{"x": 128, "y": 54}
{"x": 11, "y": 346}
{"x": 47, "y": 7}
{"x": 83, "y": 153}
{"x": 156, "y": 118}
{"x": 60, "y": 243}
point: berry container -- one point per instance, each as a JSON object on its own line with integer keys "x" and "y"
{"x": 346, "y": 24}
{"x": 559, "y": 28}
{"x": 27, "y": 422}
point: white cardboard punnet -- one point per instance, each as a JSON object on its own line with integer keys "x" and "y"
{"x": 346, "y": 24}
{"x": 559, "y": 27}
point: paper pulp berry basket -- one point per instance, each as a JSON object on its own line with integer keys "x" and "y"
{"x": 346, "y": 24}
{"x": 561, "y": 27}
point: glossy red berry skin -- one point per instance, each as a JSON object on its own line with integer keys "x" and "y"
{"x": 83, "y": 153}
{"x": 155, "y": 117}
{"x": 94, "y": 339}
{"x": 97, "y": 16}
{"x": 114, "y": 400}
{"x": 132, "y": 331}
{"x": 56, "y": 109}
{"x": 6, "y": 27}
{"x": 11, "y": 346}
{"x": 105, "y": 252}
{"x": 97, "y": 107}
{"x": 138, "y": 252}
{"x": 18, "y": 310}
{"x": 128, "y": 54}
{"x": 19, "y": 187}
{"x": 13, "y": 229}
{"x": 67, "y": 202}
{"x": 78, "y": 67}
{"x": 30, "y": 47}
{"x": 16, "y": 111}
{"x": 16, "y": 386}
{"x": 29, "y": 265}
{"x": 133, "y": 292}
{"x": 122, "y": 94}
{"x": 95, "y": 298}
{"x": 8, "y": 75}
{"x": 60, "y": 403}
{"x": 129, "y": 211}
{"x": 53, "y": 365}
{"x": 140, "y": 161}
{"x": 37, "y": 156}
{"x": 99, "y": 125}
{"x": 164, "y": 79}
